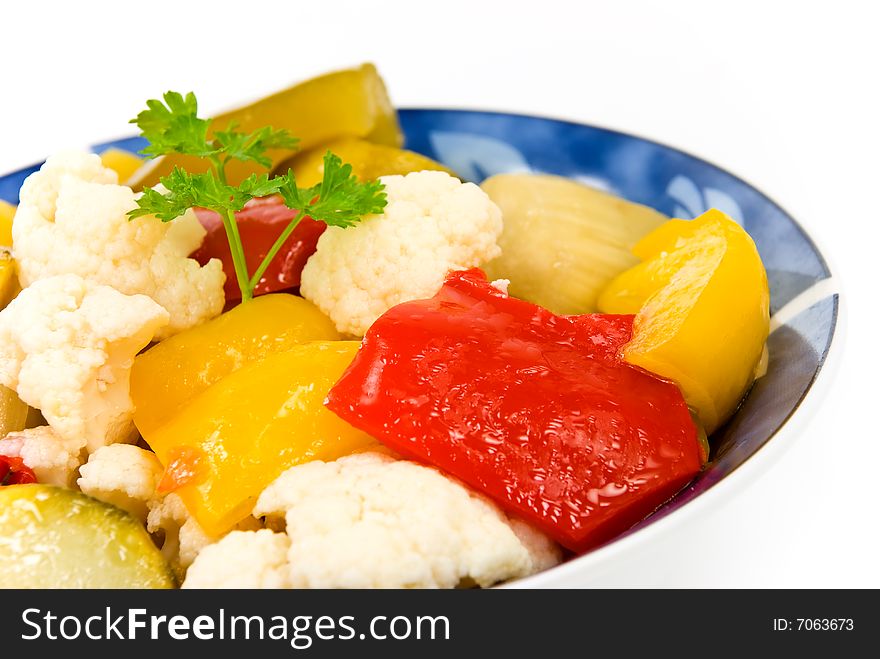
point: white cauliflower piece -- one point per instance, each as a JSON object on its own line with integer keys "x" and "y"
{"x": 433, "y": 223}
{"x": 48, "y": 456}
{"x": 368, "y": 520}
{"x": 242, "y": 559}
{"x": 122, "y": 475}
{"x": 66, "y": 348}
{"x": 183, "y": 537}
{"x": 544, "y": 552}
{"x": 501, "y": 285}
{"x": 72, "y": 220}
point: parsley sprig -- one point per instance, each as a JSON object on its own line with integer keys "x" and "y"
{"x": 174, "y": 126}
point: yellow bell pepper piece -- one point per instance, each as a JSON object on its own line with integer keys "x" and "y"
{"x": 171, "y": 373}
{"x": 7, "y": 212}
{"x": 253, "y": 425}
{"x": 9, "y": 286}
{"x": 350, "y": 102}
{"x": 124, "y": 163}
{"x": 702, "y": 302}
{"x": 628, "y": 292}
{"x": 368, "y": 161}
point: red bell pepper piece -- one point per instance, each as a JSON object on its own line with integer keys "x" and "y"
{"x": 260, "y": 223}
{"x": 535, "y": 410}
{"x": 14, "y": 472}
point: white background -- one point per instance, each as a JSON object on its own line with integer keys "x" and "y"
{"x": 781, "y": 93}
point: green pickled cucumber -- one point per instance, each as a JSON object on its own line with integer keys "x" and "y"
{"x": 56, "y": 538}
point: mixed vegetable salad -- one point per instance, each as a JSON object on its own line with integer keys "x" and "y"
{"x": 281, "y": 351}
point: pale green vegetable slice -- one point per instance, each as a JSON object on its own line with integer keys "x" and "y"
{"x": 563, "y": 241}
{"x": 56, "y": 538}
{"x": 15, "y": 415}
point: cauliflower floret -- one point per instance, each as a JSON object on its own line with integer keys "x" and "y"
{"x": 72, "y": 220}
{"x": 433, "y": 223}
{"x": 45, "y": 453}
{"x": 183, "y": 537}
{"x": 544, "y": 552}
{"x": 242, "y": 559}
{"x": 368, "y": 520}
{"x": 501, "y": 285}
{"x": 122, "y": 475}
{"x": 66, "y": 348}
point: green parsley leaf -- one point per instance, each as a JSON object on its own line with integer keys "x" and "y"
{"x": 185, "y": 190}
{"x": 164, "y": 206}
{"x": 253, "y": 146}
{"x": 174, "y": 127}
{"x": 340, "y": 199}
{"x": 260, "y": 186}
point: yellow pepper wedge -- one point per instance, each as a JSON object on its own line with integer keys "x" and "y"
{"x": 9, "y": 286}
{"x": 253, "y": 425}
{"x": 350, "y": 102}
{"x": 171, "y": 373}
{"x": 702, "y": 302}
{"x": 369, "y": 161}
{"x": 124, "y": 163}
{"x": 7, "y": 212}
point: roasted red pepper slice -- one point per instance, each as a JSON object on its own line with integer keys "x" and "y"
{"x": 260, "y": 223}
{"x": 535, "y": 410}
{"x": 14, "y": 472}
